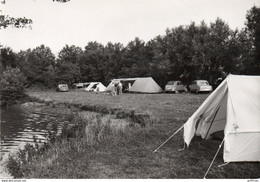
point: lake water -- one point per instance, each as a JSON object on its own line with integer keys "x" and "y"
{"x": 18, "y": 127}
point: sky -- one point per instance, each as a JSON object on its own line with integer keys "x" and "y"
{"x": 81, "y": 21}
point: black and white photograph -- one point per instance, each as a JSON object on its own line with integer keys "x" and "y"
{"x": 129, "y": 90}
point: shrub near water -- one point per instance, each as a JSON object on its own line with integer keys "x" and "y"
{"x": 12, "y": 83}
{"x": 19, "y": 165}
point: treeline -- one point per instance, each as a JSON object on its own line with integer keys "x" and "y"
{"x": 183, "y": 53}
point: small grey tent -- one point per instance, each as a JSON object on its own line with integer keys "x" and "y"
{"x": 140, "y": 85}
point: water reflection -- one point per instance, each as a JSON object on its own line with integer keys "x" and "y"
{"x": 19, "y": 127}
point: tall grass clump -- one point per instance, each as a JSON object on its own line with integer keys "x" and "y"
{"x": 92, "y": 128}
{"x": 19, "y": 164}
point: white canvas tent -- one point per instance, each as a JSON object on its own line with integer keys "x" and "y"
{"x": 92, "y": 86}
{"x": 235, "y": 108}
{"x": 141, "y": 85}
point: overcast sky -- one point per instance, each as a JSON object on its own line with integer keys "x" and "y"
{"x": 80, "y": 21}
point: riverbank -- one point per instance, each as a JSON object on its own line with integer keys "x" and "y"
{"x": 25, "y": 123}
{"x": 103, "y": 147}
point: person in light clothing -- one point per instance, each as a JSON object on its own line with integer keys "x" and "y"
{"x": 97, "y": 89}
{"x": 120, "y": 88}
{"x": 129, "y": 87}
{"x": 113, "y": 89}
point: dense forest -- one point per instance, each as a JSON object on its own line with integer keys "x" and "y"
{"x": 183, "y": 53}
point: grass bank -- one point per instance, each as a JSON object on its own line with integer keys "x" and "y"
{"x": 127, "y": 152}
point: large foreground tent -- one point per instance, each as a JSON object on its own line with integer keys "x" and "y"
{"x": 142, "y": 85}
{"x": 234, "y": 107}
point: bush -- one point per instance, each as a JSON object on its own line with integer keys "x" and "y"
{"x": 20, "y": 163}
{"x": 12, "y": 84}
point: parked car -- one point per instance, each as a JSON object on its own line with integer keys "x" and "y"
{"x": 79, "y": 85}
{"x": 200, "y": 86}
{"x": 62, "y": 88}
{"x": 175, "y": 86}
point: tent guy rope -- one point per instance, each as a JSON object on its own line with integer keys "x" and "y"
{"x": 168, "y": 139}
{"x": 214, "y": 158}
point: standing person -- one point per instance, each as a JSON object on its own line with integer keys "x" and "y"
{"x": 113, "y": 89}
{"x": 129, "y": 87}
{"x": 120, "y": 88}
{"x": 116, "y": 88}
{"x": 97, "y": 89}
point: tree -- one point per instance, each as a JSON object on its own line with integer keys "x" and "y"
{"x": 7, "y": 21}
{"x": 135, "y": 60}
{"x": 179, "y": 43}
{"x": 253, "y": 28}
{"x": 8, "y": 57}
{"x": 193, "y": 52}
{"x": 67, "y": 69}
{"x": 159, "y": 65}
{"x": 38, "y": 65}
{"x": 12, "y": 84}
{"x": 94, "y": 62}
{"x": 66, "y": 72}
{"x": 113, "y": 55}
{"x": 245, "y": 59}
{"x": 20, "y": 22}
{"x": 220, "y": 39}
{"x": 70, "y": 54}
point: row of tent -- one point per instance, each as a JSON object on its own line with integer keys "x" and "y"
{"x": 141, "y": 85}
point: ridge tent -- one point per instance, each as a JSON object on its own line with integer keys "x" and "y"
{"x": 234, "y": 107}
{"x": 92, "y": 86}
{"x": 142, "y": 85}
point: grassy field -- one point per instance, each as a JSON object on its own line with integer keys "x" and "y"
{"x": 130, "y": 154}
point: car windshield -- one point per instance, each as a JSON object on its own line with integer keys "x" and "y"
{"x": 203, "y": 83}
{"x": 170, "y": 83}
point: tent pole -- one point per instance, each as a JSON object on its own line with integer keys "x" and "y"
{"x": 168, "y": 139}
{"x": 212, "y": 121}
{"x": 214, "y": 158}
